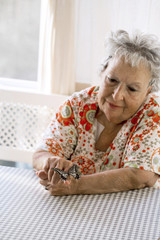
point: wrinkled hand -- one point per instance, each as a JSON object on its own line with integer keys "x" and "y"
{"x": 48, "y": 175}
{"x": 68, "y": 187}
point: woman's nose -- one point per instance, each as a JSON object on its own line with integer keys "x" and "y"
{"x": 118, "y": 94}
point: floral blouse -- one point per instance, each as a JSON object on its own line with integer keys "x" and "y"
{"x": 72, "y": 135}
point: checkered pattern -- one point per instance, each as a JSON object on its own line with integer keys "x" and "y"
{"x": 28, "y": 212}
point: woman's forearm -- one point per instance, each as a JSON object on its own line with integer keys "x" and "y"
{"x": 115, "y": 181}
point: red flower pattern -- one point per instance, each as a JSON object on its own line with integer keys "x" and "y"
{"x": 54, "y": 147}
{"x": 87, "y": 166}
{"x": 87, "y": 115}
{"x": 65, "y": 116}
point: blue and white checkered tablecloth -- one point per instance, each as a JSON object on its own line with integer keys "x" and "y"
{"x": 28, "y": 212}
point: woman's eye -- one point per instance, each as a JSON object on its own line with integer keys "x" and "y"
{"x": 112, "y": 80}
{"x": 132, "y": 89}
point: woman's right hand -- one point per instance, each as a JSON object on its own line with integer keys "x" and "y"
{"x": 48, "y": 174}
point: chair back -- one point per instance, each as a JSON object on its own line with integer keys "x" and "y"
{"x": 23, "y": 120}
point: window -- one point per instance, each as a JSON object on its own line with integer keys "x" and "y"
{"x": 19, "y": 41}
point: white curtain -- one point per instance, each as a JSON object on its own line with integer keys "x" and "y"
{"x": 57, "y": 47}
{"x": 74, "y": 33}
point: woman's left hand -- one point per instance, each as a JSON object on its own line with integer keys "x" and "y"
{"x": 68, "y": 187}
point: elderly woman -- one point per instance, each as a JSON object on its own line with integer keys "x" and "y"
{"x": 111, "y": 132}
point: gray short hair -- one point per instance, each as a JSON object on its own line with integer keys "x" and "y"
{"x": 135, "y": 48}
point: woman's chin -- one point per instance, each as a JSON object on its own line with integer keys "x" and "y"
{"x": 114, "y": 119}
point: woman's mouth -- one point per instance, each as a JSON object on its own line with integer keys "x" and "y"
{"x": 113, "y": 106}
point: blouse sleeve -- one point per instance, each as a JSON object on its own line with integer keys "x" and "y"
{"x": 143, "y": 148}
{"x": 61, "y": 135}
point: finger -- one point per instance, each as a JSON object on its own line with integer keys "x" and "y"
{"x": 44, "y": 182}
{"x": 51, "y": 173}
{"x": 64, "y": 165}
{"x": 68, "y": 166}
{"x": 55, "y": 178}
{"x": 59, "y": 165}
{"x": 42, "y": 174}
{"x": 47, "y": 165}
{"x": 52, "y": 165}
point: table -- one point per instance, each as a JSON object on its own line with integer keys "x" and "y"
{"x": 28, "y": 212}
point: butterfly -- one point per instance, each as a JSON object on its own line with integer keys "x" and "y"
{"x": 73, "y": 171}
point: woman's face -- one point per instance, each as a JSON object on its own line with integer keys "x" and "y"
{"x": 123, "y": 89}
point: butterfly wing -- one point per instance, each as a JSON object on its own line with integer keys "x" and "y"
{"x": 62, "y": 173}
{"x": 73, "y": 171}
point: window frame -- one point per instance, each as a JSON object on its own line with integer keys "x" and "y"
{"x": 23, "y": 84}
{"x": 20, "y": 84}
